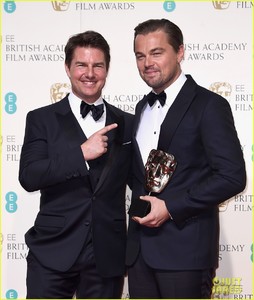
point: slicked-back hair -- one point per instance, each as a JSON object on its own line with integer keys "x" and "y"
{"x": 174, "y": 33}
{"x": 90, "y": 39}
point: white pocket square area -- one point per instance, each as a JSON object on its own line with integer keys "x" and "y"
{"x": 126, "y": 143}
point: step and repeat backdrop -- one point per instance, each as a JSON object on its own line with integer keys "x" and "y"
{"x": 219, "y": 56}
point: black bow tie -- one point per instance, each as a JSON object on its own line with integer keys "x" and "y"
{"x": 152, "y": 97}
{"x": 97, "y": 110}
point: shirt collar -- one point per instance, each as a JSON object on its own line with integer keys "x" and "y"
{"x": 173, "y": 90}
{"x": 75, "y": 103}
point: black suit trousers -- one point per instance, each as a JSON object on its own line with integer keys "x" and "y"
{"x": 81, "y": 281}
{"x": 148, "y": 283}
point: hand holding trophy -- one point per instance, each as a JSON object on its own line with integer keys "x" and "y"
{"x": 159, "y": 169}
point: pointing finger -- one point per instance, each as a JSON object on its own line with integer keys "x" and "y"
{"x": 107, "y": 128}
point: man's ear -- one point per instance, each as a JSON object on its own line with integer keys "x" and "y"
{"x": 67, "y": 70}
{"x": 180, "y": 54}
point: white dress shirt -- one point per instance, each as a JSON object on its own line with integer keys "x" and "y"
{"x": 151, "y": 118}
{"x": 88, "y": 124}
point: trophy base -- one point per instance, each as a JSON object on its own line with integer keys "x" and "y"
{"x": 139, "y": 208}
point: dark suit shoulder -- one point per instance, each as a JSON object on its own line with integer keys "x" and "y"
{"x": 51, "y": 107}
{"x": 118, "y": 111}
{"x": 201, "y": 92}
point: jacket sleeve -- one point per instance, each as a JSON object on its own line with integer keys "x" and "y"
{"x": 41, "y": 167}
{"x": 222, "y": 170}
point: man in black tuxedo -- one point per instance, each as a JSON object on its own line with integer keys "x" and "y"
{"x": 77, "y": 153}
{"x": 172, "y": 252}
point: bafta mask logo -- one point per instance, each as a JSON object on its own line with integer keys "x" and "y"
{"x": 159, "y": 168}
{"x": 221, "y": 4}
{"x": 60, "y": 5}
{"x": 222, "y": 88}
{"x": 58, "y": 91}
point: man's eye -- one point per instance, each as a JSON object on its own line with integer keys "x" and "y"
{"x": 139, "y": 57}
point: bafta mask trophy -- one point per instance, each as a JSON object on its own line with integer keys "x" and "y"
{"x": 159, "y": 169}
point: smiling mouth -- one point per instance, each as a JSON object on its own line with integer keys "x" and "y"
{"x": 151, "y": 75}
{"x": 88, "y": 83}
{"x": 149, "y": 72}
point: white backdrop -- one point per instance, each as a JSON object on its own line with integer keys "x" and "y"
{"x": 218, "y": 43}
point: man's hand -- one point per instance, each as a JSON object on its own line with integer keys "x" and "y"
{"x": 158, "y": 214}
{"x": 97, "y": 144}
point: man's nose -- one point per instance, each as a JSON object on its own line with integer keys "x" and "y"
{"x": 90, "y": 72}
{"x": 148, "y": 61}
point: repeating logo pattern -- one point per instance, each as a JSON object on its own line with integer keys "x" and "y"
{"x": 58, "y": 91}
{"x": 221, "y": 4}
{"x": 11, "y": 294}
{"x": 11, "y": 202}
{"x": 201, "y": 51}
{"x": 169, "y": 6}
{"x": 9, "y": 6}
{"x": 222, "y": 88}
{"x": 10, "y": 103}
{"x": 60, "y": 5}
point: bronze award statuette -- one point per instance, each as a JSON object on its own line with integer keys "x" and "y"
{"x": 159, "y": 169}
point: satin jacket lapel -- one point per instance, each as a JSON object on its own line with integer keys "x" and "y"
{"x": 115, "y": 140}
{"x": 176, "y": 113}
{"x": 69, "y": 125}
{"x": 137, "y": 157}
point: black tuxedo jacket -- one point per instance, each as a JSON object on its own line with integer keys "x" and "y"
{"x": 199, "y": 131}
{"x": 74, "y": 200}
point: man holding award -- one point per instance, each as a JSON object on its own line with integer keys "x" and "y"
{"x": 187, "y": 160}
